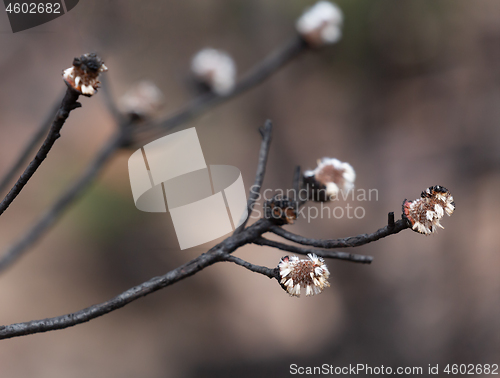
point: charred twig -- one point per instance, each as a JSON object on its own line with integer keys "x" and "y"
{"x": 297, "y": 182}
{"x": 110, "y": 102}
{"x": 353, "y": 241}
{"x": 92, "y": 312}
{"x": 271, "y": 273}
{"x": 266, "y": 132}
{"x": 69, "y": 103}
{"x": 304, "y": 251}
{"x": 28, "y": 149}
{"x": 216, "y": 254}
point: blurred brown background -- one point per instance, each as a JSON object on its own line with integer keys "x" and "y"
{"x": 410, "y": 97}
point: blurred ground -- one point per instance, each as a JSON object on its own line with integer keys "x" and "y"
{"x": 409, "y": 97}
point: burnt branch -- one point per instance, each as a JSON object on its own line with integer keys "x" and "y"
{"x": 28, "y": 149}
{"x": 304, "y": 251}
{"x": 219, "y": 253}
{"x": 216, "y": 254}
{"x": 297, "y": 182}
{"x": 68, "y": 104}
{"x": 271, "y": 273}
{"x": 353, "y": 241}
{"x": 110, "y": 103}
{"x": 95, "y": 311}
{"x": 266, "y": 133}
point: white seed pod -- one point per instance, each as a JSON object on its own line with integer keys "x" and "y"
{"x": 321, "y": 24}
{"x": 142, "y": 100}
{"x": 330, "y": 177}
{"x": 216, "y": 69}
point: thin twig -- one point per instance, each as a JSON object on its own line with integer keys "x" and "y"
{"x": 92, "y": 312}
{"x": 271, "y": 273}
{"x": 28, "y": 149}
{"x": 304, "y": 251}
{"x": 109, "y": 100}
{"x": 69, "y": 103}
{"x": 259, "y": 73}
{"x": 58, "y": 208}
{"x": 296, "y": 182}
{"x": 353, "y": 241}
{"x": 267, "y": 135}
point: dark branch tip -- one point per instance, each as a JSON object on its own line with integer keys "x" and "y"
{"x": 266, "y": 130}
{"x": 268, "y": 126}
{"x": 390, "y": 219}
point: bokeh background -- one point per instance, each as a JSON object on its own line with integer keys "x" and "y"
{"x": 410, "y": 97}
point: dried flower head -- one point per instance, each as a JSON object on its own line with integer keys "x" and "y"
{"x": 216, "y": 69}
{"x": 310, "y": 273}
{"x": 142, "y": 101}
{"x": 425, "y": 213}
{"x": 321, "y": 24}
{"x": 329, "y": 178}
{"x": 83, "y": 76}
{"x": 281, "y": 209}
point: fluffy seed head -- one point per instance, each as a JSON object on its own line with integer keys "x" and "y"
{"x": 142, "y": 101}
{"x": 83, "y": 76}
{"x": 321, "y": 24}
{"x": 311, "y": 274}
{"x": 425, "y": 213}
{"x": 216, "y": 69}
{"x": 329, "y": 178}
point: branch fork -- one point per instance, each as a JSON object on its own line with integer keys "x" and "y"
{"x": 222, "y": 252}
